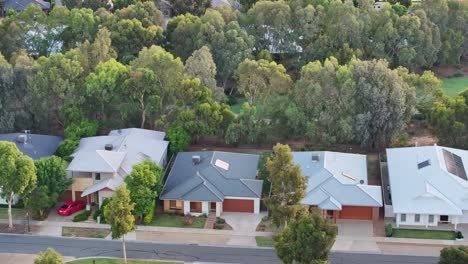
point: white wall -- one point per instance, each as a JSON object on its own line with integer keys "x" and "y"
{"x": 103, "y": 195}
{"x": 410, "y": 220}
{"x": 464, "y": 217}
{"x": 205, "y": 208}
{"x": 186, "y": 207}
{"x": 219, "y": 209}
{"x": 388, "y": 210}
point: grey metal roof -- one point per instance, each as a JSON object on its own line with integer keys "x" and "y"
{"x": 206, "y": 181}
{"x": 19, "y": 5}
{"x": 337, "y": 179}
{"x": 428, "y": 190}
{"x": 37, "y": 146}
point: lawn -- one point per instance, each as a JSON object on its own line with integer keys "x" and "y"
{"x": 237, "y": 107}
{"x": 118, "y": 261}
{"x": 172, "y": 220}
{"x": 17, "y": 213}
{"x": 264, "y": 241}
{"x": 423, "y": 234}
{"x": 85, "y": 232}
{"x": 453, "y": 86}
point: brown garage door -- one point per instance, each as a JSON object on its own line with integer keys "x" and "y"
{"x": 356, "y": 212}
{"x": 234, "y": 205}
{"x": 67, "y": 196}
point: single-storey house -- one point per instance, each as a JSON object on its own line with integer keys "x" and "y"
{"x": 20, "y": 5}
{"x": 34, "y": 146}
{"x": 337, "y": 184}
{"x": 213, "y": 181}
{"x": 100, "y": 164}
{"x": 428, "y": 185}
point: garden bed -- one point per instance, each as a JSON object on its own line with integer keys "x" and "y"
{"x": 264, "y": 241}
{"x": 424, "y": 234}
{"x": 118, "y": 261}
{"x": 85, "y": 232}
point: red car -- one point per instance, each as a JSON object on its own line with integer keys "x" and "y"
{"x": 71, "y": 207}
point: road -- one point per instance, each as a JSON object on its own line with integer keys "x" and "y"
{"x": 78, "y": 247}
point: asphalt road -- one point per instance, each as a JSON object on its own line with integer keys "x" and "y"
{"x": 78, "y": 247}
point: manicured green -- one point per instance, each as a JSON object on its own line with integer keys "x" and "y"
{"x": 18, "y": 214}
{"x": 454, "y": 86}
{"x": 423, "y": 234}
{"x": 171, "y": 220}
{"x": 118, "y": 261}
{"x": 83, "y": 216}
{"x": 85, "y": 232}
{"x": 264, "y": 241}
{"x": 237, "y": 107}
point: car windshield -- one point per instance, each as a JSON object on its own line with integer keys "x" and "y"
{"x": 64, "y": 206}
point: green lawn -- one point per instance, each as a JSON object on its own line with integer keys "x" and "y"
{"x": 118, "y": 261}
{"x": 85, "y": 232}
{"x": 237, "y": 107}
{"x": 453, "y": 86}
{"x": 423, "y": 234}
{"x": 171, "y": 220}
{"x": 264, "y": 241}
{"x": 17, "y": 213}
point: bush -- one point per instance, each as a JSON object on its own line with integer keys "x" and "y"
{"x": 179, "y": 139}
{"x": 265, "y": 218}
{"x": 454, "y": 255}
{"x": 219, "y": 226}
{"x": 188, "y": 220}
{"x": 231, "y": 100}
{"x": 82, "y": 216}
{"x": 388, "y": 230}
{"x": 456, "y": 75}
{"x": 100, "y": 211}
{"x": 459, "y": 235}
{"x": 220, "y": 220}
{"x": 149, "y": 217}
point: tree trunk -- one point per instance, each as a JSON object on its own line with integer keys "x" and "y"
{"x": 143, "y": 112}
{"x": 10, "y": 219}
{"x": 124, "y": 250}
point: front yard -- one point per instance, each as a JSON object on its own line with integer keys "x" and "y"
{"x": 85, "y": 232}
{"x": 264, "y": 241}
{"x": 172, "y": 220}
{"x": 423, "y": 234}
{"x": 17, "y": 213}
{"x": 118, "y": 261}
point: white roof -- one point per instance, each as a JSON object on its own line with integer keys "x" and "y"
{"x": 428, "y": 190}
{"x": 337, "y": 179}
{"x": 129, "y": 146}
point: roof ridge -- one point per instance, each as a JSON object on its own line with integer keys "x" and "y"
{"x": 361, "y": 185}
{"x": 446, "y": 198}
{"x": 242, "y": 181}
{"x": 99, "y": 151}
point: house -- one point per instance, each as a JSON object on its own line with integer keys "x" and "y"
{"x": 428, "y": 185}
{"x": 34, "y": 146}
{"x": 100, "y": 164}
{"x": 337, "y": 184}
{"x": 20, "y": 5}
{"x": 213, "y": 181}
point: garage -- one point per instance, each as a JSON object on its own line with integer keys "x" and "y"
{"x": 238, "y": 205}
{"x": 356, "y": 212}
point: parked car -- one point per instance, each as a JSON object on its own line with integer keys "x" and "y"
{"x": 71, "y": 207}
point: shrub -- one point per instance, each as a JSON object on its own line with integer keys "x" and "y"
{"x": 388, "y": 230}
{"x": 459, "y": 235}
{"x": 231, "y": 100}
{"x": 219, "y": 226}
{"x": 265, "y": 218}
{"x": 100, "y": 211}
{"x": 149, "y": 217}
{"x": 456, "y": 75}
{"x": 220, "y": 220}
{"x": 82, "y": 216}
{"x": 454, "y": 255}
{"x": 188, "y": 220}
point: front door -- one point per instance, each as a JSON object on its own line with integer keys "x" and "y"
{"x": 213, "y": 207}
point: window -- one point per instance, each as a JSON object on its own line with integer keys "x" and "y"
{"x": 417, "y": 218}
{"x": 173, "y": 204}
{"x": 403, "y": 218}
{"x": 431, "y": 218}
{"x": 444, "y": 218}
{"x": 98, "y": 176}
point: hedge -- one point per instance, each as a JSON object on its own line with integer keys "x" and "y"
{"x": 82, "y": 216}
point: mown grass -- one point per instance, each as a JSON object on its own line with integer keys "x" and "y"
{"x": 264, "y": 241}
{"x": 118, "y": 261}
{"x": 454, "y": 86}
{"x": 172, "y": 220}
{"x": 423, "y": 234}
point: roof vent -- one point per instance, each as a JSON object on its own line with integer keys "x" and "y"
{"x": 315, "y": 158}
{"x": 109, "y": 147}
{"x": 424, "y": 164}
{"x": 361, "y": 181}
{"x": 196, "y": 159}
{"x": 22, "y": 139}
{"x": 222, "y": 164}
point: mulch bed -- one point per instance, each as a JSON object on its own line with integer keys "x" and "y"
{"x": 17, "y": 229}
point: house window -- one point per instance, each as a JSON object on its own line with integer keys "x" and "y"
{"x": 98, "y": 176}
{"x": 195, "y": 207}
{"x": 444, "y": 218}
{"x": 173, "y": 204}
{"x": 431, "y": 218}
{"x": 403, "y": 218}
{"x": 417, "y": 218}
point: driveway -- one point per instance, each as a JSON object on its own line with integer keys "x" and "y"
{"x": 355, "y": 228}
{"x": 54, "y": 216}
{"x": 243, "y": 222}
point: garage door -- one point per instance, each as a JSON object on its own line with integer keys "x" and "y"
{"x": 356, "y": 212}
{"x": 234, "y": 205}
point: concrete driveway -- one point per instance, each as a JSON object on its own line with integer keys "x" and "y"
{"x": 355, "y": 228}
{"x": 243, "y": 222}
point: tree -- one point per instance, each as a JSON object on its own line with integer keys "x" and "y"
{"x": 53, "y": 180}
{"x": 179, "y": 139}
{"x": 307, "y": 239}
{"x": 73, "y": 133}
{"x": 17, "y": 174}
{"x": 50, "y": 256}
{"x": 37, "y": 202}
{"x": 118, "y": 214}
{"x": 248, "y": 127}
{"x": 7, "y": 117}
{"x": 142, "y": 183}
{"x": 454, "y": 255}
{"x": 287, "y": 185}
{"x": 145, "y": 11}
{"x": 259, "y": 79}
{"x": 195, "y": 7}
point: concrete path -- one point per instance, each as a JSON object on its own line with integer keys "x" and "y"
{"x": 243, "y": 222}
{"x": 355, "y": 228}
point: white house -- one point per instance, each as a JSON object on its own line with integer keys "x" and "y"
{"x": 428, "y": 185}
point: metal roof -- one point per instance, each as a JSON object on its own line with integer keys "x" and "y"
{"x": 205, "y": 181}
{"x": 428, "y": 190}
{"x": 337, "y": 179}
{"x": 36, "y": 146}
{"x": 19, "y": 5}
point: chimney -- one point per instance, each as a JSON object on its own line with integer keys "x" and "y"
{"x": 196, "y": 159}
{"x": 108, "y": 147}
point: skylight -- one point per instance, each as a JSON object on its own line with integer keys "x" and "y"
{"x": 454, "y": 164}
{"x": 222, "y": 164}
{"x": 424, "y": 164}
